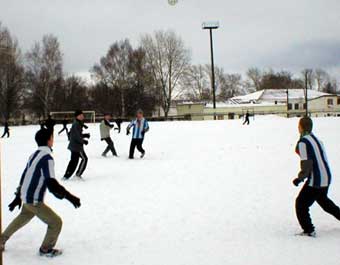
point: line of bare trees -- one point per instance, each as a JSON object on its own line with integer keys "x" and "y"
{"x": 150, "y": 76}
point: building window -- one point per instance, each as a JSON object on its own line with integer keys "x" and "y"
{"x": 296, "y": 106}
{"x": 220, "y": 117}
{"x": 338, "y": 101}
{"x": 304, "y": 106}
{"x": 290, "y": 106}
{"x": 330, "y": 101}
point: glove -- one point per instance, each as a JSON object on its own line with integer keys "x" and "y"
{"x": 85, "y": 126}
{"x": 297, "y": 182}
{"x": 73, "y": 199}
{"x": 86, "y": 135}
{"x": 127, "y": 132}
{"x": 143, "y": 133}
{"x": 86, "y": 142}
{"x": 16, "y": 202}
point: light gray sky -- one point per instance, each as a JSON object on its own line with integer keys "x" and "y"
{"x": 286, "y": 34}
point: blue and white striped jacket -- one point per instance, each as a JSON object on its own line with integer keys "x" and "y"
{"x": 33, "y": 183}
{"x": 139, "y": 126}
{"x": 311, "y": 148}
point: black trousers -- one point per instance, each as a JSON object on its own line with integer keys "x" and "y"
{"x": 63, "y": 129}
{"x": 136, "y": 143}
{"x": 72, "y": 165}
{"x": 305, "y": 200}
{"x": 246, "y": 121}
{"x": 110, "y": 147}
{"x": 6, "y": 132}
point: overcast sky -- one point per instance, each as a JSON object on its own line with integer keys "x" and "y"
{"x": 286, "y": 34}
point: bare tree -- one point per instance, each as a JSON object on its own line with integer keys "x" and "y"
{"x": 113, "y": 70}
{"x": 321, "y": 78}
{"x": 233, "y": 86}
{"x": 254, "y": 76}
{"x": 11, "y": 75}
{"x": 196, "y": 83}
{"x": 44, "y": 73}
{"x": 169, "y": 59}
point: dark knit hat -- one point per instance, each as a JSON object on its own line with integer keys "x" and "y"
{"x": 42, "y": 136}
{"x": 77, "y": 113}
{"x": 306, "y": 124}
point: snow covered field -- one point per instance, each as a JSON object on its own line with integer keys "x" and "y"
{"x": 207, "y": 193}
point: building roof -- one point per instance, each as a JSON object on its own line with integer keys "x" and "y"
{"x": 279, "y": 95}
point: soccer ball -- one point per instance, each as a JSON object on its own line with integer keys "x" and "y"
{"x": 172, "y": 2}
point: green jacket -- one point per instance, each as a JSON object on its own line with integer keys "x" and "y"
{"x": 105, "y": 128}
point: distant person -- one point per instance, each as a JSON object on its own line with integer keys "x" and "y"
{"x": 315, "y": 170}
{"x": 64, "y": 123}
{"x": 38, "y": 176}
{"x": 246, "y": 119}
{"x": 140, "y": 127}
{"x": 50, "y": 123}
{"x": 6, "y": 130}
{"x": 105, "y": 127}
{"x": 76, "y": 146}
{"x": 119, "y": 122}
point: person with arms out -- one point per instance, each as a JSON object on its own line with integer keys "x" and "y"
{"x": 315, "y": 170}
{"x": 76, "y": 146}
{"x": 6, "y": 130}
{"x": 38, "y": 176}
{"x": 140, "y": 126}
{"x": 105, "y": 127}
{"x": 65, "y": 122}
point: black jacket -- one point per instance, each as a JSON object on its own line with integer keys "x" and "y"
{"x": 76, "y": 137}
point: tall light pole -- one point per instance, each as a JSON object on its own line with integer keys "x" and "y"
{"x": 210, "y": 26}
{"x": 4, "y": 50}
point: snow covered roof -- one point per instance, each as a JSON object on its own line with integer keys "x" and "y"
{"x": 279, "y": 95}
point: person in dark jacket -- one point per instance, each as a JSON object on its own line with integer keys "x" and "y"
{"x": 76, "y": 146}
{"x": 105, "y": 127}
{"x": 246, "y": 119}
{"x": 315, "y": 170}
{"x": 140, "y": 126}
{"x": 50, "y": 123}
{"x": 38, "y": 176}
{"x": 64, "y": 123}
{"x": 6, "y": 130}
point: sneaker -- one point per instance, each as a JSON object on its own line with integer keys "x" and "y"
{"x": 142, "y": 155}
{"x": 50, "y": 253}
{"x": 79, "y": 177}
{"x": 308, "y": 234}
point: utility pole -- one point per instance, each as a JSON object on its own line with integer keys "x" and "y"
{"x": 210, "y": 26}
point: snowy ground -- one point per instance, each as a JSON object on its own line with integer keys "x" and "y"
{"x": 207, "y": 193}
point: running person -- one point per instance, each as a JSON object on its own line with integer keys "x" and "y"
{"x": 65, "y": 122}
{"x": 140, "y": 126}
{"x": 6, "y": 130}
{"x": 38, "y": 176}
{"x": 105, "y": 127}
{"x": 315, "y": 170}
{"x": 76, "y": 146}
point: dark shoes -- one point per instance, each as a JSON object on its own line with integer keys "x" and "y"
{"x": 50, "y": 253}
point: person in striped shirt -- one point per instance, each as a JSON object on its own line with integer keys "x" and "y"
{"x": 315, "y": 171}
{"x": 37, "y": 177}
{"x": 140, "y": 126}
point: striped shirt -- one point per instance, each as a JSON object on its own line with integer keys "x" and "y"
{"x": 139, "y": 126}
{"x": 39, "y": 168}
{"x": 311, "y": 148}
